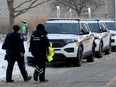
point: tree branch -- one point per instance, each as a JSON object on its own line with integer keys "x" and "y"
{"x": 32, "y": 5}
{"x": 22, "y": 4}
{"x": 79, "y": 5}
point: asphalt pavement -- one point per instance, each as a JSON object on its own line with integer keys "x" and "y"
{"x": 101, "y": 73}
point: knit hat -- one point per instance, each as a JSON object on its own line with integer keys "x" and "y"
{"x": 40, "y": 27}
{"x": 16, "y": 28}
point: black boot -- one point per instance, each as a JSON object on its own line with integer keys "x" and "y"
{"x": 28, "y": 78}
{"x": 35, "y": 78}
{"x": 44, "y": 80}
{"x": 9, "y": 81}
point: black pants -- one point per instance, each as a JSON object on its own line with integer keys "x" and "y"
{"x": 10, "y": 66}
{"x": 39, "y": 71}
{"x": 40, "y": 65}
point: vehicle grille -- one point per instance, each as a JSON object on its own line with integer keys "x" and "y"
{"x": 58, "y": 43}
{"x": 59, "y": 56}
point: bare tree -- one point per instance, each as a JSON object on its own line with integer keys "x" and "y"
{"x": 79, "y": 6}
{"x": 15, "y": 11}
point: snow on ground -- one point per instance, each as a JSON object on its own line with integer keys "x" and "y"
{"x": 3, "y": 63}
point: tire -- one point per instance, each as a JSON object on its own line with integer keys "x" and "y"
{"x": 99, "y": 54}
{"x": 91, "y": 57}
{"x": 108, "y": 51}
{"x": 78, "y": 60}
{"x": 113, "y": 49}
{"x": 68, "y": 63}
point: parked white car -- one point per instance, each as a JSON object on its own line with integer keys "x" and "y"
{"x": 102, "y": 37}
{"x": 111, "y": 25}
{"x": 72, "y": 40}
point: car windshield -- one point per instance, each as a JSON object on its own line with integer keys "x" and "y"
{"x": 111, "y": 26}
{"x": 62, "y": 28}
{"x": 94, "y": 27}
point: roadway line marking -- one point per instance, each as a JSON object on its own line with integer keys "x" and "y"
{"x": 110, "y": 82}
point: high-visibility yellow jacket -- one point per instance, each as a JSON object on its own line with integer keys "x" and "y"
{"x": 51, "y": 53}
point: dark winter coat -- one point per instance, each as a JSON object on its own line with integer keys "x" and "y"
{"x": 39, "y": 44}
{"x": 13, "y": 45}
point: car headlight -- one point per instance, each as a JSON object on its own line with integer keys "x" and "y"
{"x": 67, "y": 41}
{"x": 69, "y": 50}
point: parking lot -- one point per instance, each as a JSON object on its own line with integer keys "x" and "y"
{"x": 82, "y": 58}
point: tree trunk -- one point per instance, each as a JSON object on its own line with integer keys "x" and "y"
{"x": 11, "y": 14}
{"x": 11, "y": 22}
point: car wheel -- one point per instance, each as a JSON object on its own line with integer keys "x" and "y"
{"x": 68, "y": 63}
{"x": 99, "y": 54}
{"x": 108, "y": 51}
{"x": 113, "y": 49}
{"x": 91, "y": 57}
{"x": 78, "y": 60}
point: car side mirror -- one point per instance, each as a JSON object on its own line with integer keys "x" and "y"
{"x": 85, "y": 32}
{"x": 82, "y": 30}
{"x": 104, "y": 30}
{"x": 112, "y": 40}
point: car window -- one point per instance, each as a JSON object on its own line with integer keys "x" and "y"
{"x": 62, "y": 28}
{"x": 84, "y": 28}
{"x": 103, "y": 27}
{"x": 94, "y": 27}
{"x": 88, "y": 27}
{"x": 111, "y": 25}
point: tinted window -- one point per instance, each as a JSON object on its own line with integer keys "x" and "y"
{"x": 62, "y": 28}
{"x": 94, "y": 27}
{"x": 85, "y": 27}
{"x": 111, "y": 26}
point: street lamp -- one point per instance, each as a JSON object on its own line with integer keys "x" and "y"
{"x": 115, "y": 9}
{"x": 70, "y": 13}
{"x": 58, "y": 11}
{"x": 89, "y": 12}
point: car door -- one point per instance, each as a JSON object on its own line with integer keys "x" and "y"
{"x": 105, "y": 35}
{"x": 87, "y": 40}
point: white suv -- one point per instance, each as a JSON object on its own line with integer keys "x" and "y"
{"x": 72, "y": 40}
{"x": 102, "y": 37}
{"x": 111, "y": 25}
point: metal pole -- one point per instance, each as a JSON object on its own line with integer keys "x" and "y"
{"x": 58, "y": 11}
{"x": 115, "y": 9}
{"x": 89, "y": 13}
{"x": 107, "y": 9}
{"x": 70, "y": 13}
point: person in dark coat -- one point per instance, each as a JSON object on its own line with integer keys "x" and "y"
{"x": 14, "y": 47}
{"x": 38, "y": 46}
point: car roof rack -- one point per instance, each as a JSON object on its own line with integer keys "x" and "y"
{"x": 90, "y": 20}
{"x": 56, "y": 19}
